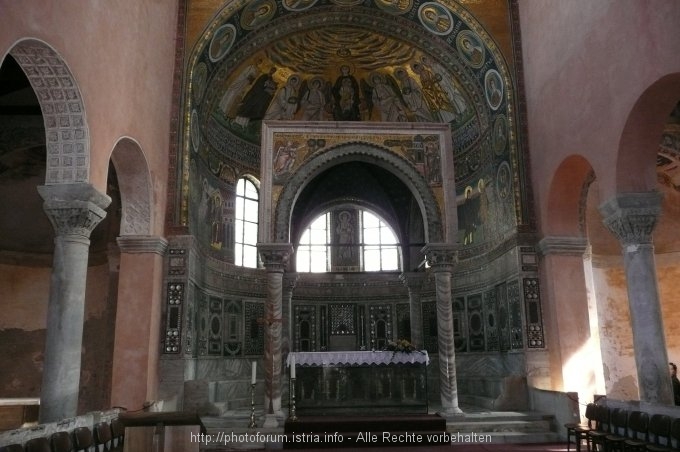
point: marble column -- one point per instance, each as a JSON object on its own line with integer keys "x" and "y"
{"x": 442, "y": 258}
{"x": 275, "y": 259}
{"x": 136, "y": 348}
{"x": 74, "y": 210}
{"x": 414, "y": 283}
{"x": 289, "y": 281}
{"x": 631, "y": 217}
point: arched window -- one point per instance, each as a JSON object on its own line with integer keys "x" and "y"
{"x": 348, "y": 240}
{"x": 245, "y": 238}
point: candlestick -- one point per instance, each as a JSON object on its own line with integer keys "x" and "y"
{"x": 253, "y": 377}
{"x": 291, "y": 415}
{"x": 252, "y": 402}
{"x": 292, "y": 367}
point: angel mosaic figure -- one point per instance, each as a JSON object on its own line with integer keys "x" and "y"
{"x": 385, "y": 96}
{"x": 314, "y": 99}
{"x": 413, "y": 97}
{"x": 285, "y": 102}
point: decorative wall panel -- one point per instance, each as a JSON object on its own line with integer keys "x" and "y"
{"x": 460, "y": 336}
{"x": 491, "y": 320}
{"x": 403, "y": 321}
{"x": 214, "y": 326}
{"x": 173, "y": 319}
{"x": 515, "y": 308}
{"x": 475, "y": 323}
{"x": 254, "y": 330}
{"x": 305, "y": 328}
{"x": 532, "y": 299}
{"x": 380, "y": 318}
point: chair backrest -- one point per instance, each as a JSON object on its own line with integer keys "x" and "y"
{"x": 102, "y": 434}
{"x": 117, "y": 431}
{"x": 638, "y": 421}
{"x": 619, "y": 421}
{"x": 12, "y": 448}
{"x": 591, "y": 409}
{"x": 603, "y": 418}
{"x": 82, "y": 438}
{"x": 660, "y": 429}
{"x": 675, "y": 432}
{"x": 40, "y": 444}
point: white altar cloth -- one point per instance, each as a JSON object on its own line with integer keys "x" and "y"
{"x": 358, "y": 358}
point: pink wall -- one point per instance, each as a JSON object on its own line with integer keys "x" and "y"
{"x": 586, "y": 64}
{"x": 122, "y": 57}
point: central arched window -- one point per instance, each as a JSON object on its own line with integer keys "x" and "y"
{"x": 245, "y": 237}
{"x": 348, "y": 240}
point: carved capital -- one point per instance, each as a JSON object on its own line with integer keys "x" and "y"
{"x": 275, "y": 256}
{"x": 142, "y": 244}
{"x": 631, "y": 217}
{"x": 74, "y": 209}
{"x": 440, "y": 256}
{"x": 290, "y": 280}
{"x": 563, "y": 245}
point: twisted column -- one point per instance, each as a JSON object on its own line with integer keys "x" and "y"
{"x": 442, "y": 258}
{"x": 74, "y": 211}
{"x": 275, "y": 258}
{"x": 631, "y": 217}
{"x": 414, "y": 283}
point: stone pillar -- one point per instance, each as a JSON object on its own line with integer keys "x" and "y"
{"x": 74, "y": 210}
{"x": 442, "y": 258}
{"x": 136, "y": 349}
{"x": 574, "y": 361}
{"x": 275, "y": 258}
{"x": 289, "y": 281}
{"x": 631, "y": 217}
{"x": 414, "y": 283}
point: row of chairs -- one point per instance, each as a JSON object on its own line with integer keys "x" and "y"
{"x": 104, "y": 436}
{"x": 621, "y": 430}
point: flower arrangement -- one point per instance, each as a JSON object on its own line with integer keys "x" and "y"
{"x": 400, "y": 345}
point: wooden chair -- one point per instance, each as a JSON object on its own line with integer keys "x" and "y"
{"x": 596, "y": 437}
{"x": 619, "y": 431}
{"x": 118, "y": 433}
{"x": 659, "y": 433}
{"x": 61, "y": 442}
{"x": 40, "y": 444}
{"x": 12, "y": 448}
{"x": 579, "y": 431}
{"x": 82, "y": 439}
{"x": 102, "y": 436}
{"x": 638, "y": 424}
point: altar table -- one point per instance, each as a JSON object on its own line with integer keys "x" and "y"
{"x": 354, "y": 382}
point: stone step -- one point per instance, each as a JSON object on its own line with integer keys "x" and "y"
{"x": 520, "y": 426}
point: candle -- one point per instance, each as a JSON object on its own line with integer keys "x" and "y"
{"x": 292, "y": 366}
{"x": 252, "y": 379}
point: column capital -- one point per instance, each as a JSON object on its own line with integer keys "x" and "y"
{"x": 74, "y": 209}
{"x": 440, "y": 256}
{"x": 631, "y": 217}
{"x": 413, "y": 280}
{"x": 142, "y": 244}
{"x": 275, "y": 256}
{"x": 563, "y": 245}
{"x": 290, "y": 280}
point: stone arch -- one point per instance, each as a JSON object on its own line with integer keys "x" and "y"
{"x": 360, "y": 152}
{"x": 566, "y": 197}
{"x": 639, "y": 143}
{"x": 134, "y": 181}
{"x": 63, "y": 110}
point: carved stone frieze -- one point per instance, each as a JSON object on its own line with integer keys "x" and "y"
{"x": 142, "y": 244}
{"x": 74, "y": 209}
{"x": 441, "y": 256}
{"x": 275, "y": 256}
{"x": 67, "y": 136}
{"x": 631, "y": 217}
{"x": 563, "y": 245}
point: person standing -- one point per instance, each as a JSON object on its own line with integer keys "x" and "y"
{"x": 676, "y": 383}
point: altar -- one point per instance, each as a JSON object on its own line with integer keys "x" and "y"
{"x": 360, "y": 382}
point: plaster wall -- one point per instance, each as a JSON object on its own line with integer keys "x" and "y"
{"x": 616, "y": 340}
{"x": 24, "y": 292}
{"x": 122, "y": 59}
{"x": 586, "y": 64}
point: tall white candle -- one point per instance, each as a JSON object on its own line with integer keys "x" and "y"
{"x": 292, "y": 366}
{"x": 252, "y": 379}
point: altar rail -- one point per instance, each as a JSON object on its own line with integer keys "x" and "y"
{"x": 383, "y": 382}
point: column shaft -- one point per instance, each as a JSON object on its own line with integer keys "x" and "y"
{"x": 631, "y": 217}
{"x": 74, "y": 210}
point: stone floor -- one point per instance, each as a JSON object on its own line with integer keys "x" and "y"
{"x": 501, "y": 431}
